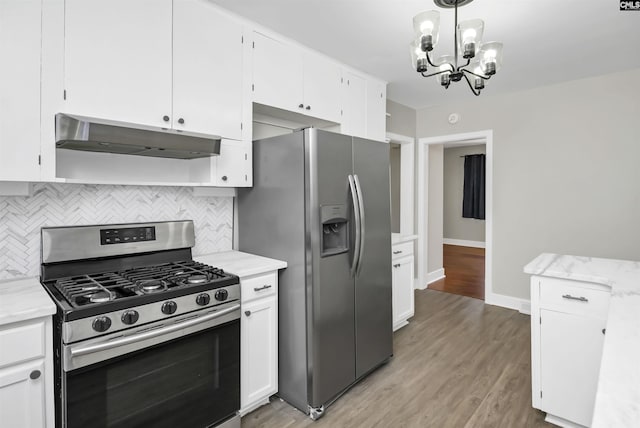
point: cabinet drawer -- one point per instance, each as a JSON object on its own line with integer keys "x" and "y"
{"x": 21, "y": 343}
{"x": 258, "y": 286}
{"x": 574, "y": 297}
{"x": 402, "y": 250}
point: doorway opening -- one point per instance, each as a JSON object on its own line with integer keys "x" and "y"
{"x": 432, "y": 268}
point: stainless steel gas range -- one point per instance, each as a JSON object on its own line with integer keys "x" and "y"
{"x": 143, "y": 335}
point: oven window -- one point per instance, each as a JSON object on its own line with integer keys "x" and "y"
{"x": 189, "y": 382}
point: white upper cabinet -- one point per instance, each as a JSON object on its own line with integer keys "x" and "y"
{"x": 233, "y": 165}
{"x": 376, "y": 110}
{"x": 20, "y": 30}
{"x": 277, "y": 74}
{"x": 207, "y": 70}
{"x": 118, "y": 60}
{"x": 321, "y": 87}
{"x": 354, "y": 106}
{"x": 286, "y": 77}
{"x": 159, "y": 63}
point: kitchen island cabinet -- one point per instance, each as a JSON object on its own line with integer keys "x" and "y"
{"x": 26, "y": 355}
{"x": 258, "y": 323}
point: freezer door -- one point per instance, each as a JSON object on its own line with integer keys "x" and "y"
{"x": 330, "y": 311}
{"x": 373, "y": 317}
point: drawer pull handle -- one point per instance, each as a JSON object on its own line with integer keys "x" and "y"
{"x": 264, "y": 287}
{"x": 397, "y": 265}
{"x": 397, "y": 252}
{"x": 570, "y": 297}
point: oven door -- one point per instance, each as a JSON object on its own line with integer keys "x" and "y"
{"x": 181, "y": 373}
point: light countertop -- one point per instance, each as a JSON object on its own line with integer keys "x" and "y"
{"x": 24, "y": 299}
{"x": 618, "y": 397}
{"x": 397, "y": 238}
{"x": 241, "y": 264}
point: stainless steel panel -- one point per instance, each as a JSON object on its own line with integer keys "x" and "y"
{"x": 61, "y": 244}
{"x": 331, "y": 341}
{"x": 103, "y": 348}
{"x": 373, "y": 314}
{"x": 80, "y": 329}
{"x": 271, "y": 223}
{"x": 81, "y": 134}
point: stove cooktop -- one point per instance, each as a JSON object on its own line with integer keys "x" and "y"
{"x": 90, "y": 294}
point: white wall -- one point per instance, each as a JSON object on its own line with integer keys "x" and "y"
{"x": 566, "y": 170}
{"x": 454, "y": 225}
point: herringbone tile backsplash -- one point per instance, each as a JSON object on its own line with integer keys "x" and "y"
{"x": 73, "y": 204}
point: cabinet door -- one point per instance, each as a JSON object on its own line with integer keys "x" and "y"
{"x": 376, "y": 110}
{"x": 233, "y": 166}
{"x": 20, "y": 31}
{"x": 277, "y": 74}
{"x": 22, "y": 395}
{"x": 118, "y": 60}
{"x": 321, "y": 87}
{"x": 259, "y": 363}
{"x": 207, "y": 70}
{"x": 354, "y": 96}
{"x": 570, "y": 352}
{"x": 403, "y": 304}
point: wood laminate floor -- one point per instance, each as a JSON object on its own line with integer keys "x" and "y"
{"x": 464, "y": 270}
{"x": 459, "y": 363}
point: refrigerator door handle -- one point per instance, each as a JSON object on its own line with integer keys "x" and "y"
{"x": 362, "y": 225}
{"x": 356, "y": 216}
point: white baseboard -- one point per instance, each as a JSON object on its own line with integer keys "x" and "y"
{"x": 464, "y": 243}
{"x": 432, "y": 277}
{"x": 521, "y": 305}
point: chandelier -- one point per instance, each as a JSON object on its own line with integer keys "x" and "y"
{"x": 472, "y": 60}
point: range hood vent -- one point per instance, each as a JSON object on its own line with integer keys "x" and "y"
{"x": 83, "y": 134}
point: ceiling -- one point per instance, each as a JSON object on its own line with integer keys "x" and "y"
{"x": 545, "y": 41}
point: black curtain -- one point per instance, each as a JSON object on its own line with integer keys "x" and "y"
{"x": 473, "y": 193}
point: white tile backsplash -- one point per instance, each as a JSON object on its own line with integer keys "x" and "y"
{"x": 74, "y": 204}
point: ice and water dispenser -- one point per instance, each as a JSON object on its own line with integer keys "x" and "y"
{"x": 335, "y": 229}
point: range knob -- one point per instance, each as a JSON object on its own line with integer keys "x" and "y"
{"x": 101, "y": 324}
{"x": 221, "y": 295}
{"x": 130, "y": 317}
{"x": 203, "y": 299}
{"x": 169, "y": 307}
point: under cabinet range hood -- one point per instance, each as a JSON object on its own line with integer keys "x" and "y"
{"x": 87, "y": 135}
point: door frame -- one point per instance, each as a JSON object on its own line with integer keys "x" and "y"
{"x": 407, "y": 150}
{"x": 479, "y": 137}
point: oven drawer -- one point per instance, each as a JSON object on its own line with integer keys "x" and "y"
{"x": 21, "y": 343}
{"x": 255, "y": 287}
{"x": 574, "y": 297}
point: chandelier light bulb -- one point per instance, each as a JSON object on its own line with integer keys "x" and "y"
{"x": 426, "y": 26}
{"x": 491, "y": 58}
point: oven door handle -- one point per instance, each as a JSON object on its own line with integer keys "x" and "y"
{"x": 120, "y": 341}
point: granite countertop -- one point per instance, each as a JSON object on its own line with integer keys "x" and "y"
{"x": 241, "y": 264}
{"x": 397, "y": 238}
{"x": 24, "y": 299}
{"x": 618, "y": 397}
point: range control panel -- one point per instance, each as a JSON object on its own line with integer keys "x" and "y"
{"x": 127, "y": 235}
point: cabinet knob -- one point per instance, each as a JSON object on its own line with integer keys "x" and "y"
{"x": 604, "y": 331}
{"x": 224, "y": 178}
{"x": 300, "y": 105}
{"x": 397, "y": 265}
{"x": 247, "y": 313}
{"x": 165, "y": 118}
{"x": 35, "y": 374}
{"x": 308, "y": 107}
{"x": 181, "y": 121}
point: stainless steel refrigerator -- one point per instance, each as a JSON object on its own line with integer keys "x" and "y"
{"x": 320, "y": 201}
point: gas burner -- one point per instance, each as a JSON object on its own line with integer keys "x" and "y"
{"x": 197, "y": 279}
{"x": 148, "y": 286}
{"x": 101, "y": 297}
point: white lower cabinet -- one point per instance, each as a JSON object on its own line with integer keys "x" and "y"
{"x": 567, "y": 336}
{"x": 26, "y": 378}
{"x": 259, "y": 341}
{"x": 402, "y": 284}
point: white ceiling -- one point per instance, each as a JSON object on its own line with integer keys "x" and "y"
{"x": 545, "y": 41}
